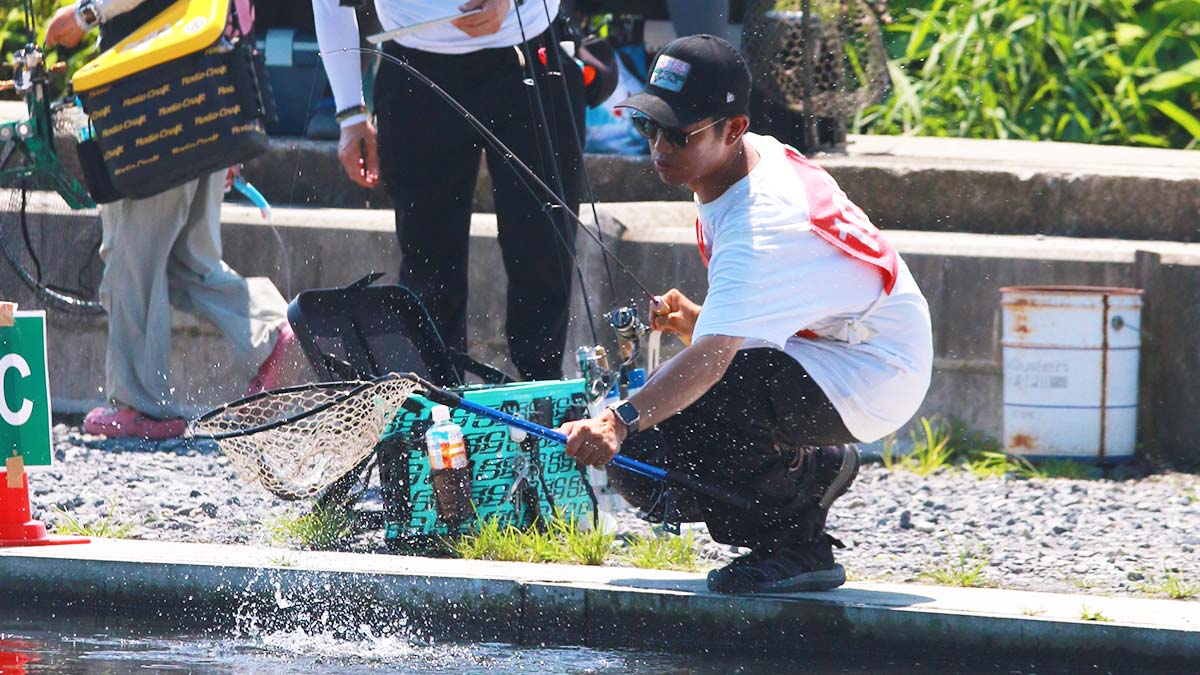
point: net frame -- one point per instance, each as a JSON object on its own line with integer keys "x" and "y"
{"x": 297, "y": 441}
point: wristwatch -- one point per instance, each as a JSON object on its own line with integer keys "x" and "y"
{"x": 86, "y": 14}
{"x": 628, "y": 415}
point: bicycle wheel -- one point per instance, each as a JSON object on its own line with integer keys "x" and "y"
{"x": 52, "y": 248}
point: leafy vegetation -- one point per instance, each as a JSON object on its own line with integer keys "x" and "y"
{"x": 963, "y": 566}
{"x": 108, "y": 526}
{"x": 931, "y": 451}
{"x": 321, "y": 529}
{"x": 662, "y": 552}
{"x": 562, "y": 541}
{"x": 937, "y": 445}
{"x": 1092, "y": 71}
{"x": 1092, "y": 615}
{"x": 1172, "y": 585}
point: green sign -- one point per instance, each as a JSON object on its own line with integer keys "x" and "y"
{"x": 25, "y": 396}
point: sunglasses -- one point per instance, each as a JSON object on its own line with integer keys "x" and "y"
{"x": 649, "y": 129}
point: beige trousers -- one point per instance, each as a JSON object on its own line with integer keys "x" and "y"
{"x": 165, "y": 251}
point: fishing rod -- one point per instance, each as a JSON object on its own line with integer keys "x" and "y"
{"x": 623, "y": 320}
{"x": 524, "y": 172}
{"x": 538, "y": 112}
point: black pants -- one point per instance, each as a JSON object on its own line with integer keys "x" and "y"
{"x": 429, "y": 159}
{"x": 742, "y": 435}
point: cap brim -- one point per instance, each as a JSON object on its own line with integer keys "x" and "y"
{"x": 657, "y": 109}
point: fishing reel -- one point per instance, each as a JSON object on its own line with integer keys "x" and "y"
{"x": 30, "y": 75}
{"x": 629, "y": 329}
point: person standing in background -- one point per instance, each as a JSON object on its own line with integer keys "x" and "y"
{"x": 161, "y": 252}
{"x": 428, "y": 156}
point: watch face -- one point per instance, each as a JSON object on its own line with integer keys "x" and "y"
{"x": 627, "y": 413}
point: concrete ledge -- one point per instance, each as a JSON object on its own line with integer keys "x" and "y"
{"x": 908, "y": 183}
{"x": 935, "y": 184}
{"x": 594, "y": 606}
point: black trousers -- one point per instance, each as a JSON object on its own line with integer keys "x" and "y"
{"x": 429, "y": 159}
{"x": 742, "y": 435}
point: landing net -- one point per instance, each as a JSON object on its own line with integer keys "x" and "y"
{"x": 298, "y": 441}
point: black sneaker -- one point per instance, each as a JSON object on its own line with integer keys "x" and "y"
{"x": 825, "y": 472}
{"x": 807, "y": 566}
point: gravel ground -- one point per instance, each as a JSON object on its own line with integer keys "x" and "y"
{"x": 1116, "y": 537}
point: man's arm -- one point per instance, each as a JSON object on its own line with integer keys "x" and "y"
{"x": 337, "y": 38}
{"x": 675, "y": 386}
{"x": 69, "y": 24}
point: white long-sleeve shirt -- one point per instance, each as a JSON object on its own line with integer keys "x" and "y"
{"x": 337, "y": 36}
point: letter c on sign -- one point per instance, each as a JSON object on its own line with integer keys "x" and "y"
{"x": 14, "y": 417}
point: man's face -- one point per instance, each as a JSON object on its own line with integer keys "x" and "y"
{"x": 705, "y": 153}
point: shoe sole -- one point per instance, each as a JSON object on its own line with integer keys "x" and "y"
{"x": 846, "y": 474}
{"x": 821, "y": 580}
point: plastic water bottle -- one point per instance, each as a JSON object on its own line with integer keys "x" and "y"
{"x": 449, "y": 472}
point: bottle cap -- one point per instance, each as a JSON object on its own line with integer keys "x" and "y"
{"x": 440, "y": 413}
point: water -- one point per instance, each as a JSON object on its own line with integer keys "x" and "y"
{"x": 33, "y": 644}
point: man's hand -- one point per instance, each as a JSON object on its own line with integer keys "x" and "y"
{"x": 359, "y": 154}
{"x": 673, "y": 312}
{"x": 595, "y": 441}
{"x": 63, "y": 29}
{"x": 486, "y": 22}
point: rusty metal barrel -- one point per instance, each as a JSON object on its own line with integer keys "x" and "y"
{"x": 1071, "y": 372}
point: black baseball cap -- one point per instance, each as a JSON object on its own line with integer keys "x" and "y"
{"x": 694, "y": 78}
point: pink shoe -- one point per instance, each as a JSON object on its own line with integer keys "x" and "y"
{"x": 129, "y": 423}
{"x": 271, "y": 369}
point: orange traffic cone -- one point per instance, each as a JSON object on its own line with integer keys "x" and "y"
{"x": 17, "y": 526}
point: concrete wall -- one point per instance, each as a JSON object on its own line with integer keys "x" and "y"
{"x": 928, "y": 184}
{"x": 961, "y": 275}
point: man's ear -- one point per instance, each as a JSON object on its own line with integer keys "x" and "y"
{"x": 736, "y": 127}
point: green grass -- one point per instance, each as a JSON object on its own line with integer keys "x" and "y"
{"x": 1065, "y": 468}
{"x": 1192, "y": 496}
{"x": 662, "y": 552}
{"x": 963, "y": 566}
{"x": 322, "y": 528}
{"x": 1173, "y": 586}
{"x": 1092, "y": 71}
{"x": 1087, "y": 614}
{"x": 561, "y": 542}
{"x": 931, "y": 449}
{"x": 108, "y": 526}
{"x": 939, "y": 445}
{"x": 1082, "y": 583}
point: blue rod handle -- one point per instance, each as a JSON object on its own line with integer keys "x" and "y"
{"x": 627, "y": 463}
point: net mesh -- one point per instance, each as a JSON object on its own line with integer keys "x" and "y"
{"x": 297, "y": 442}
{"x": 846, "y": 69}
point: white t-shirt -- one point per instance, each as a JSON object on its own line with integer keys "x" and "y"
{"x": 337, "y": 29}
{"x": 770, "y": 276}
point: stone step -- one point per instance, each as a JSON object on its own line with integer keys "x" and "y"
{"x": 907, "y": 183}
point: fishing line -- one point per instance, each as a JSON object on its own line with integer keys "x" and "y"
{"x": 587, "y": 177}
{"x": 552, "y": 167}
{"x": 503, "y": 151}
